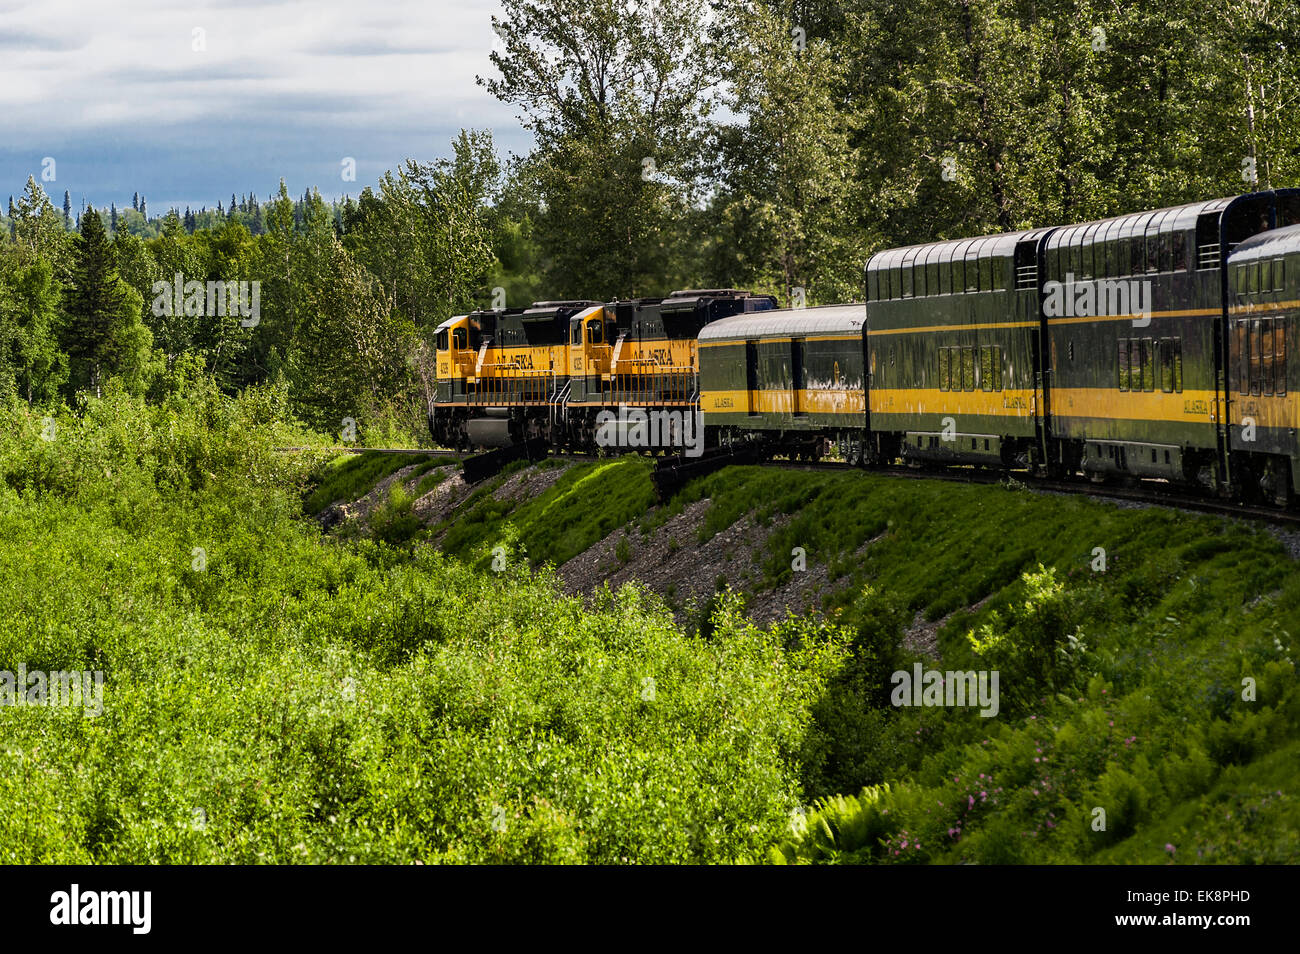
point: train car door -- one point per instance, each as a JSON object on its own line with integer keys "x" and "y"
{"x": 797, "y": 348}
{"x": 751, "y": 376}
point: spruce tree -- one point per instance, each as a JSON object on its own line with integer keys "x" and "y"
{"x": 67, "y": 208}
{"x": 97, "y": 301}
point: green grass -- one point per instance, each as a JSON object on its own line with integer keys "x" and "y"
{"x": 586, "y": 504}
{"x": 351, "y": 477}
{"x": 311, "y": 698}
{"x": 1145, "y": 719}
{"x": 296, "y": 698}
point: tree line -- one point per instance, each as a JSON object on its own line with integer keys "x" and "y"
{"x": 676, "y": 143}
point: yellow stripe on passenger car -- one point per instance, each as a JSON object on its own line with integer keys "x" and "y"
{"x": 1263, "y": 306}
{"x": 1114, "y": 404}
{"x": 926, "y": 329}
{"x": 1176, "y": 313}
{"x": 811, "y": 401}
{"x": 1012, "y": 402}
{"x": 1266, "y": 410}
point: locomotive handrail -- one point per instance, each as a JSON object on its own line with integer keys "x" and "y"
{"x": 516, "y": 386}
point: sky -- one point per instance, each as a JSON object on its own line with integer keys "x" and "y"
{"x": 189, "y": 102}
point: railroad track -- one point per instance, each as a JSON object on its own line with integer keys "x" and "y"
{"x": 370, "y": 450}
{"x": 1150, "y": 494}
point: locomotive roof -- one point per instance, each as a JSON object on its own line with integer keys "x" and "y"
{"x": 483, "y": 313}
{"x": 983, "y": 246}
{"x": 788, "y": 322}
{"x": 688, "y": 299}
{"x": 1267, "y": 244}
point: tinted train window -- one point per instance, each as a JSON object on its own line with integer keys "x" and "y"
{"x": 458, "y": 337}
{"x": 1167, "y": 365}
{"x": 1166, "y": 251}
{"x": 997, "y": 369}
{"x": 999, "y": 274}
{"x": 1122, "y": 361}
{"x": 907, "y": 282}
{"x": 1179, "y": 247}
{"x": 986, "y": 274}
{"x": 1261, "y": 355}
{"x": 1243, "y": 356}
{"x": 932, "y": 276}
{"x": 945, "y": 369}
{"x": 1148, "y": 364}
{"x": 1279, "y": 356}
{"x": 986, "y": 368}
{"x": 1254, "y": 356}
{"x": 1266, "y": 356}
{"x": 968, "y": 369}
{"x": 1279, "y": 274}
{"x": 441, "y": 343}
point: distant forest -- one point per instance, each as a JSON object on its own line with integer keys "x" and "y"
{"x": 770, "y": 145}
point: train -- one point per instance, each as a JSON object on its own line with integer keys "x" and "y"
{"x": 1146, "y": 346}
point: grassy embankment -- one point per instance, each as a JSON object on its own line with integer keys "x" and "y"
{"x": 298, "y": 698}
{"x": 1158, "y": 687}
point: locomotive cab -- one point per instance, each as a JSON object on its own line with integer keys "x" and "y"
{"x": 592, "y": 335}
{"x": 457, "y": 342}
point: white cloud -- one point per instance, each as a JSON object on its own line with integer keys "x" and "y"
{"x": 294, "y": 81}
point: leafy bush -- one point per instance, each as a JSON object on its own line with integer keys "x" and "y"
{"x": 1037, "y": 648}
